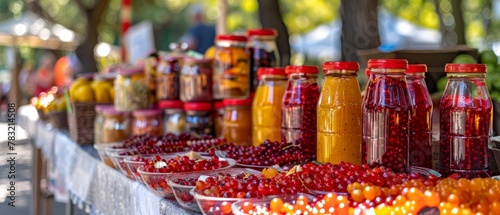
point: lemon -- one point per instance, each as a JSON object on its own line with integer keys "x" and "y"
{"x": 465, "y": 59}
{"x": 488, "y": 57}
{"x": 112, "y": 93}
{"x": 210, "y": 53}
{"x": 84, "y": 93}
{"x": 102, "y": 94}
{"x": 75, "y": 85}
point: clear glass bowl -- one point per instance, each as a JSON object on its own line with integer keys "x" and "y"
{"x": 105, "y": 149}
{"x": 119, "y": 162}
{"x": 236, "y": 207}
{"x": 133, "y": 165}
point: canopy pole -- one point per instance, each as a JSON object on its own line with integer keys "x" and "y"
{"x": 126, "y": 20}
{"x": 15, "y": 92}
{"x": 221, "y": 20}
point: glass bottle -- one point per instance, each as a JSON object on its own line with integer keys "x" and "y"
{"x": 465, "y": 122}
{"x": 116, "y": 126}
{"x": 199, "y": 118}
{"x": 167, "y": 78}
{"x": 386, "y": 115}
{"x": 99, "y": 122}
{"x": 421, "y": 117}
{"x": 219, "y": 111}
{"x": 298, "y": 111}
{"x": 237, "y": 126}
{"x": 147, "y": 122}
{"x": 263, "y": 52}
{"x": 339, "y": 114}
{"x": 174, "y": 117}
{"x": 131, "y": 90}
{"x": 196, "y": 80}
{"x": 266, "y": 106}
{"x": 231, "y": 77}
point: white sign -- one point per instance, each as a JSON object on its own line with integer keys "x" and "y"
{"x": 139, "y": 41}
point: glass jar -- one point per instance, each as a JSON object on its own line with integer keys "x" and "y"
{"x": 266, "y": 106}
{"x": 386, "y": 115}
{"x": 196, "y": 80}
{"x": 131, "y": 90}
{"x": 174, "y": 117}
{"x": 339, "y": 114}
{"x": 199, "y": 118}
{"x": 99, "y": 122}
{"x": 116, "y": 126}
{"x": 421, "y": 117}
{"x": 263, "y": 52}
{"x": 150, "y": 70}
{"x": 219, "y": 111}
{"x": 298, "y": 111}
{"x": 237, "y": 127}
{"x": 465, "y": 122}
{"x": 147, "y": 122}
{"x": 231, "y": 78}
{"x": 167, "y": 79}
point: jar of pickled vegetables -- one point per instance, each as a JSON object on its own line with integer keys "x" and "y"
{"x": 116, "y": 126}
{"x": 199, "y": 118}
{"x": 147, "y": 122}
{"x": 131, "y": 90}
{"x": 339, "y": 114}
{"x": 167, "y": 77}
{"x": 231, "y": 77}
{"x": 263, "y": 52}
{"x": 298, "y": 111}
{"x": 465, "y": 122}
{"x": 196, "y": 80}
{"x": 421, "y": 117}
{"x": 174, "y": 117}
{"x": 99, "y": 122}
{"x": 266, "y": 106}
{"x": 237, "y": 127}
{"x": 219, "y": 111}
{"x": 386, "y": 115}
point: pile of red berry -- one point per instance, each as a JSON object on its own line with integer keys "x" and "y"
{"x": 182, "y": 164}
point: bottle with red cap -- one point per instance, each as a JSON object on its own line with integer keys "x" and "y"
{"x": 421, "y": 117}
{"x": 231, "y": 77}
{"x": 237, "y": 126}
{"x": 386, "y": 115}
{"x": 465, "y": 122}
{"x": 263, "y": 52}
{"x": 298, "y": 111}
{"x": 199, "y": 118}
{"x": 339, "y": 114}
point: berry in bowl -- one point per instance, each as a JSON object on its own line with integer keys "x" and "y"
{"x": 118, "y": 159}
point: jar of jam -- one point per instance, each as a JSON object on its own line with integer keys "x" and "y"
{"x": 116, "y": 126}
{"x": 339, "y": 114}
{"x": 219, "y": 111}
{"x": 263, "y": 52}
{"x": 174, "y": 117}
{"x": 465, "y": 122}
{"x": 147, "y": 122}
{"x": 266, "y": 106}
{"x": 237, "y": 127}
{"x": 421, "y": 117}
{"x": 231, "y": 77}
{"x": 199, "y": 118}
{"x": 131, "y": 90}
{"x": 298, "y": 111}
{"x": 196, "y": 80}
{"x": 167, "y": 79}
{"x": 99, "y": 122}
{"x": 386, "y": 115}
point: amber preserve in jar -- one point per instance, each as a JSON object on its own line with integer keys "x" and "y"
{"x": 231, "y": 78}
{"x": 116, "y": 126}
{"x": 196, "y": 80}
{"x": 237, "y": 126}
{"x": 131, "y": 90}
{"x": 174, "y": 118}
{"x": 167, "y": 78}
{"x": 99, "y": 122}
{"x": 339, "y": 114}
{"x": 147, "y": 122}
{"x": 199, "y": 118}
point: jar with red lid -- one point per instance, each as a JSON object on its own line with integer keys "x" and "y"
{"x": 237, "y": 126}
{"x": 131, "y": 89}
{"x": 196, "y": 80}
{"x": 298, "y": 111}
{"x": 174, "y": 117}
{"x": 263, "y": 52}
{"x": 421, "y": 117}
{"x": 465, "y": 122}
{"x": 147, "y": 122}
{"x": 99, "y": 122}
{"x": 167, "y": 78}
{"x": 231, "y": 78}
{"x": 219, "y": 111}
{"x": 386, "y": 115}
{"x": 199, "y": 118}
{"x": 116, "y": 126}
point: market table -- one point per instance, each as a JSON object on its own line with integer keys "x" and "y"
{"x": 89, "y": 181}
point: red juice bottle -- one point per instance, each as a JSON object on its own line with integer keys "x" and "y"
{"x": 465, "y": 122}
{"x": 421, "y": 117}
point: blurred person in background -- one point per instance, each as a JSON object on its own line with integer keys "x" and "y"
{"x": 44, "y": 77}
{"x": 201, "y": 35}
{"x": 27, "y": 81}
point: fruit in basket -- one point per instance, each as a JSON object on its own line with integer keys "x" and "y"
{"x": 488, "y": 57}
{"x": 464, "y": 59}
{"x": 103, "y": 90}
{"x": 84, "y": 90}
{"x": 84, "y": 93}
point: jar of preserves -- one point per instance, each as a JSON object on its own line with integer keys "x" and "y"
{"x": 231, "y": 77}
{"x": 196, "y": 80}
{"x": 219, "y": 111}
{"x": 99, "y": 122}
{"x": 465, "y": 122}
{"x": 199, "y": 118}
{"x": 131, "y": 90}
{"x": 150, "y": 70}
{"x": 174, "y": 117}
{"x": 266, "y": 106}
{"x": 421, "y": 117}
{"x": 386, "y": 115}
{"x": 339, "y": 114}
{"x": 147, "y": 122}
{"x": 298, "y": 111}
{"x": 237, "y": 127}
{"x": 116, "y": 126}
{"x": 263, "y": 52}
{"x": 167, "y": 78}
